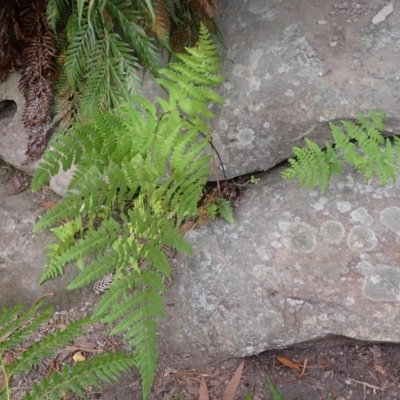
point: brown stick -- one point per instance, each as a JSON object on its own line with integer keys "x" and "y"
{"x": 41, "y": 297}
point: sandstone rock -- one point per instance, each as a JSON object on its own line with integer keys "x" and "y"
{"x": 297, "y": 266}
{"x": 276, "y": 94}
{"x": 22, "y": 257}
{"x": 13, "y": 135}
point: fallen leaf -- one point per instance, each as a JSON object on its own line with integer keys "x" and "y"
{"x": 326, "y": 375}
{"x": 203, "y": 391}
{"x": 376, "y": 351}
{"x": 233, "y": 384}
{"x": 169, "y": 395}
{"x": 379, "y": 368}
{"x": 59, "y": 325}
{"x": 78, "y": 357}
{"x": 86, "y": 343}
{"x": 186, "y": 227}
{"x": 16, "y": 182}
{"x": 9, "y": 359}
{"x": 48, "y": 204}
{"x": 3, "y": 383}
{"x": 182, "y": 374}
{"x": 288, "y": 363}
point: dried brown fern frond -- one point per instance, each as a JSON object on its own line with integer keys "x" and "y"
{"x": 162, "y": 23}
{"x": 9, "y": 39}
{"x": 190, "y": 14}
{"x": 37, "y": 58}
{"x": 209, "y": 7}
{"x": 182, "y": 36}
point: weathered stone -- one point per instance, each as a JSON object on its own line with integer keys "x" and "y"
{"x": 276, "y": 94}
{"x": 22, "y": 257}
{"x": 14, "y": 137}
{"x": 297, "y": 266}
{"x": 275, "y": 91}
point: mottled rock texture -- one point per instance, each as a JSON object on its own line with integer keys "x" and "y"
{"x": 22, "y": 256}
{"x": 285, "y": 81}
{"x": 297, "y": 266}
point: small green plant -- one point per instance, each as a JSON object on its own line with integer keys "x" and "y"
{"x": 16, "y": 326}
{"x": 221, "y": 208}
{"x": 361, "y": 144}
{"x": 275, "y": 392}
{"x": 140, "y": 173}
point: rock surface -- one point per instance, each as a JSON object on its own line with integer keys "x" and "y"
{"x": 297, "y": 266}
{"x": 13, "y": 136}
{"x": 22, "y": 256}
{"x": 286, "y": 80}
{"x": 288, "y": 74}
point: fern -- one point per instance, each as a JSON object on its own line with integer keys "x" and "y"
{"x": 139, "y": 175}
{"x": 275, "y": 392}
{"x": 16, "y": 327}
{"x": 362, "y": 145}
{"x": 106, "y": 367}
{"x": 224, "y": 209}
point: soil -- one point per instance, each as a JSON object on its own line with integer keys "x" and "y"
{"x": 352, "y": 371}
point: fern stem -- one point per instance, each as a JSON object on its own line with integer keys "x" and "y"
{"x": 42, "y": 297}
{"x": 215, "y": 168}
{"x": 5, "y": 377}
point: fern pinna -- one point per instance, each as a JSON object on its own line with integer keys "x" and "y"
{"x": 361, "y": 145}
{"x": 17, "y": 326}
{"x": 139, "y": 174}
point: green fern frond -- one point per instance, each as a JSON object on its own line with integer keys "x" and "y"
{"x": 93, "y": 242}
{"x": 312, "y": 166}
{"x": 224, "y": 209}
{"x": 137, "y": 177}
{"x": 361, "y": 145}
{"x": 55, "y": 10}
{"x": 275, "y": 392}
{"x": 16, "y": 327}
{"x": 128, "y": 18}
{"x": 106, "y": 367}
{"x": 46, "y": 347}
{"x": 19, "y": 327}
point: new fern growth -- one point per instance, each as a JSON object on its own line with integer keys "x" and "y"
{"x": 139, "y": 175}
{"x": 361, "y": 144}
{"x": 17, "y": 326}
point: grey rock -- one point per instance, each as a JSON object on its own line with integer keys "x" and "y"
{"x": 297, "y": 266}
{"x": 275, "y": 94}
{"x": 22, "y": 257}
{"x": 14, "y": 137}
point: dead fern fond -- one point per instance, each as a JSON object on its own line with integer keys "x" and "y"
{"x": 27, "y": 43}
{"x": 38, "y": 54}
